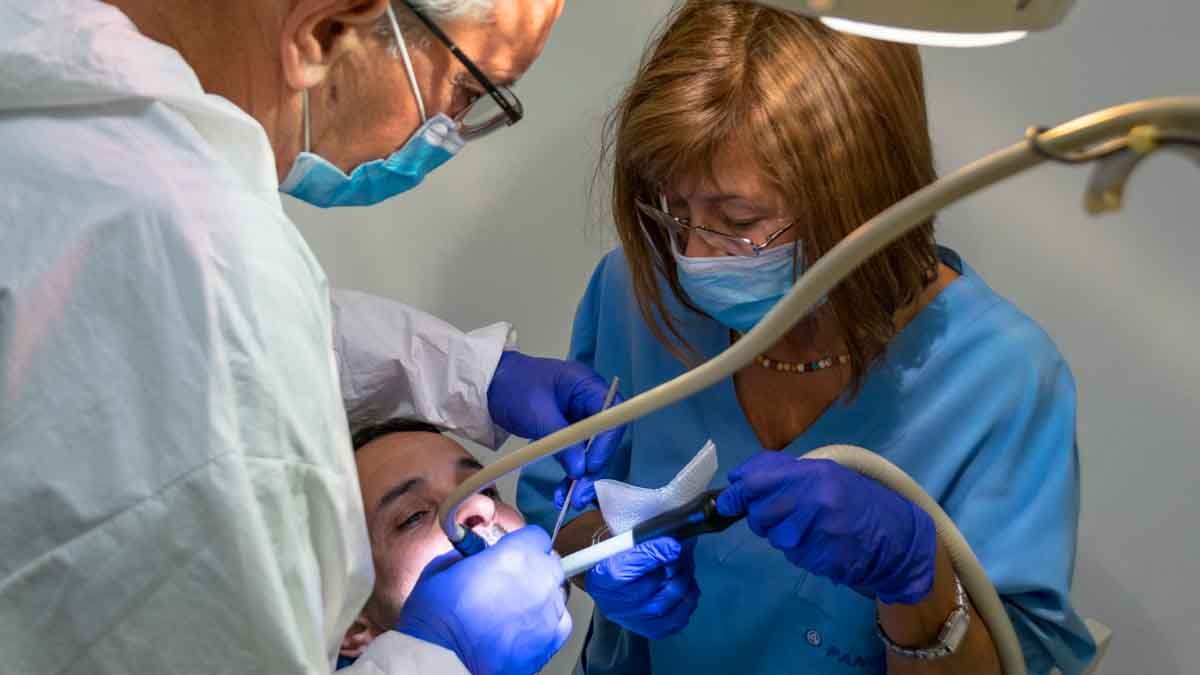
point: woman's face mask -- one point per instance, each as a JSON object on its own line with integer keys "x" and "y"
{"x": 735, "y": 282}
{"x": 738, "y": 291}
{"x": 739, "y": 273}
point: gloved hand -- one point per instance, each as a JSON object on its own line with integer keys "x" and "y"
{"x": 837, "y": 523}
{"x": 502, "y": 611}
{"x": 650, "y": 589}
{"x": 533, "y": 397}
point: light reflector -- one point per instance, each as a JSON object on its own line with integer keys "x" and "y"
{"x": 944, "y": 23}
{"x": 923, "y": 37}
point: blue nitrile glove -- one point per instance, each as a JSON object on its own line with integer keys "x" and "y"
{"x": 533, "y": 397}
{"x": 837, "y": 523}
{"x": 650, "y": 589}
{"x": 502, "y": 611}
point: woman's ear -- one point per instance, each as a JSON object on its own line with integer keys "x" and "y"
{"x": 316, "y": 33}
{"x": 358, "y": 636}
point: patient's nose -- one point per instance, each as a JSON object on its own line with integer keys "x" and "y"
{"x": 477, "y": 510}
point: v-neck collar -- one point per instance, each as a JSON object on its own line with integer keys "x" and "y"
{"x": 843, "y": 421}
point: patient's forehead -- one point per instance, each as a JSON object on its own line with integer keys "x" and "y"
{"x": 397, "y": 457}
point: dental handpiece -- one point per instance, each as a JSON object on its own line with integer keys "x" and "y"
{"x": 697, "y": 517}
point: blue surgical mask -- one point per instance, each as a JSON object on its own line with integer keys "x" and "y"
{"x": 315, "y": 180}
{"x": 738, "y": 291}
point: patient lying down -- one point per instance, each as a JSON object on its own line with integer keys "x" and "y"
{"x": 405, "y": 469}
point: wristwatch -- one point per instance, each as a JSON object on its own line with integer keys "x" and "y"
{"x": 949, "y": 637}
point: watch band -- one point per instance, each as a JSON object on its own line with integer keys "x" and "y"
{"x": 953, "y": 631}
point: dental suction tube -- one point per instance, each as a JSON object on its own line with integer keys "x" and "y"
{"x": 1168, "y": 114}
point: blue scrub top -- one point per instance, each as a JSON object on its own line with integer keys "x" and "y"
{"x": 972, "y": 399}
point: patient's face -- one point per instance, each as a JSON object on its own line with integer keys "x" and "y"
{"x": 404, "y": 476}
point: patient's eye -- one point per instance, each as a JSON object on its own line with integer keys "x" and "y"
{"x": 492, "y": 493}
{"x": 412, "y": 521}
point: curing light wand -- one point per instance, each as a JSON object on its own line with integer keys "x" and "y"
{"x": 697, "y": 517}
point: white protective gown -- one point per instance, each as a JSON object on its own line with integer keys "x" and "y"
{"x": 177, "y": 489}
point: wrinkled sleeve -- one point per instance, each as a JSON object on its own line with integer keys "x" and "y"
{"x": 178, "y": 490}
{"x": 397, "y": 654}
{"x": 396, "y": 361}
{"x": 1016, "y": 497}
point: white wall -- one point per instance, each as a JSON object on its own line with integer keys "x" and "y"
{"x": 1117, "y": 293}
{"x": 504, "y": 232}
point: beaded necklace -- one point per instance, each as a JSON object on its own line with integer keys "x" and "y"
{"x": 798, "y": 367}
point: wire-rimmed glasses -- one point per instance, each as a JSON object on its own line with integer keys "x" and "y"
{"x": 681, "y": 229}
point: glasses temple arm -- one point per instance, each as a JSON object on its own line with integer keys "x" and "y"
{"x": 492, "y": 89}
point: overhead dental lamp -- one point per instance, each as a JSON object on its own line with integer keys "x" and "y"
{"x": 939, "y": 23}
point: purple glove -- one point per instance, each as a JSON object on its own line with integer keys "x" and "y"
{"x": 533, "y": 397}
{"x": 502, "y": 611}
{"x": 837, "y": 523}
{"x": 650, "y": 589}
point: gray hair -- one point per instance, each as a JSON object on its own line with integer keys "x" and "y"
{"x": 448, "y": 10}
{"x": 438, "y": 11}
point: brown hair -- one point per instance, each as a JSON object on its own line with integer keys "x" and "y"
{"x": 836, "y": 122}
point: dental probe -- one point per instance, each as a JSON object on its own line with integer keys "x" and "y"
{"x": 566, "y": 507}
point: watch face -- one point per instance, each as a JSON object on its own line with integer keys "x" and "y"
{"x": 955, "y": 629}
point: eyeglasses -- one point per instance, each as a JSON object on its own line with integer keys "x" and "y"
{"x": 500, "y": 108}
{"x": 681, "y": 229}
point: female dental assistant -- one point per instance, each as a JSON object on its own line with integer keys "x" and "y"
{"x": 750, "y": 142}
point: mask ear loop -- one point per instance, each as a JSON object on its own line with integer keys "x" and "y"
{"x": 797, "y": 254}
{"x": 307, "y": 120}
{"x": 412, "y": 77}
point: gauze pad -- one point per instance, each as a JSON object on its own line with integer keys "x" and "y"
{"x": 624, "y": 505}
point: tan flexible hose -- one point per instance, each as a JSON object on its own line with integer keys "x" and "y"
{"x": 970, "y": 572}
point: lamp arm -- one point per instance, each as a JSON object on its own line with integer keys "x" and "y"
{"x": 1106, "y": 186}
